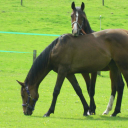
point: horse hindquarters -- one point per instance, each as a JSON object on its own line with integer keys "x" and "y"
{"x": 123, "y": 66}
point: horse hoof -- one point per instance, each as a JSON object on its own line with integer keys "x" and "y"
{"x": 105, "y": 113}
{"x": 45, "y": 115}
{"x": 85, "y": 115}
{"x": 113, "y": 115}
{"x": 88, "y": 113}
{"x": 92, "y": 113}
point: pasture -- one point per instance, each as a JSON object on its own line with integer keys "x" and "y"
{"x": 53, "y": 17}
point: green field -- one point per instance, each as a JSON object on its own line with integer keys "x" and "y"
{"x": 53, "y": 17}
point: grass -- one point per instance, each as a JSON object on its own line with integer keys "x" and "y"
{"x": 52, "y": 17}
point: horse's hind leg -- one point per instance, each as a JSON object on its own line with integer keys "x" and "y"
{"x": 78, "y": 90}
{"x": 117, "y": 83}
{"x": 120, "y": 88}
{"x": 112, "y": 97}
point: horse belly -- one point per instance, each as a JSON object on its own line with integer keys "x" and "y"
{"x": 92, "y": 62}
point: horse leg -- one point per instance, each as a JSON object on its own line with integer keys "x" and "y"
{"x": 117, "y": 81}
{"x": 78, "y": 90}
{"x": 120, "y": 88}
{"x": 87, "y": 80}
{"x": 60, "y": 79}
{"x": 112, "y": 97}
{"x": 92, "y": 93}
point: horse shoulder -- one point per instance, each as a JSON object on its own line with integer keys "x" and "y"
{"x": 61, "y": 49}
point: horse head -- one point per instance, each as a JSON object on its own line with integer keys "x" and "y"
{"x": 78, "y": 18}
{"x": 29, "y": 98}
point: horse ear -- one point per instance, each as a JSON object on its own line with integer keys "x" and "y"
{"x": 22, "y": 84}
{"x": 82, "y": 6}
{"x": 73, "y": 5}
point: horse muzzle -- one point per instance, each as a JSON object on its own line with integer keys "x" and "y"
{"x": 29, "y": 110}
{"x": 29, "y": 113}
{"x": 75, "y": 33}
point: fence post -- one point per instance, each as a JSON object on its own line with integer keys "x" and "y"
{"x": 103, "y": 2}
{"x": 21, "y": 2}
{"x": 100, "y": 22}
{"x": 34, "y": 55}
{"x": 98, "y": 72}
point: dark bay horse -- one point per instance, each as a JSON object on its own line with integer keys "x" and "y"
{"x": 68, "y": 55}
{"x": 81, "y": 26}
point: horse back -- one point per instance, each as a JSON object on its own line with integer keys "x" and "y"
{"x": 91, "y": 52}
{"x": 79, "y": 53}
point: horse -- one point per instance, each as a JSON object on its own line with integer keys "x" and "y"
{"x": 68, "y": 55}
{"x": 81, "y": 26}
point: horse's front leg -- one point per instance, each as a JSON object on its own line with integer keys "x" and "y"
{"x": 78, "y": 91}
{"x": 87, "y": 80}
{"x": 60, "y": 78}
{"x": 92, "y": 93}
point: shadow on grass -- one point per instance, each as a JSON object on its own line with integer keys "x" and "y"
{"x": 94, "y": 117}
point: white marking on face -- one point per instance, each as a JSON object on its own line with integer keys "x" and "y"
{"x": 75, "y": 24}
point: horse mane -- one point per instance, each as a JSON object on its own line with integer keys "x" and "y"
{"x": 40, "y": 63}
{"x": 87, "y": 27}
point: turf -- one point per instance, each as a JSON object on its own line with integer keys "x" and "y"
{"x": 53, "y": 17}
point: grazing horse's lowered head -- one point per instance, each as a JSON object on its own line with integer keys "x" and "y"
{"x": 80, "y": 24}
{"x": 29, "y": 97}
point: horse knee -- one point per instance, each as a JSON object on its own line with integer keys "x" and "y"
{"x": 92, "y": 93}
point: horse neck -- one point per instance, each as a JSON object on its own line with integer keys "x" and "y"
{"x": 36, "y": 80}
{"x": 41, "y": 66}
{"x": 87, "y": 27}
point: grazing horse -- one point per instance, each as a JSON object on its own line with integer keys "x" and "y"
{"x": 81, "y": 26}
{"x": 68, "y": 55}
